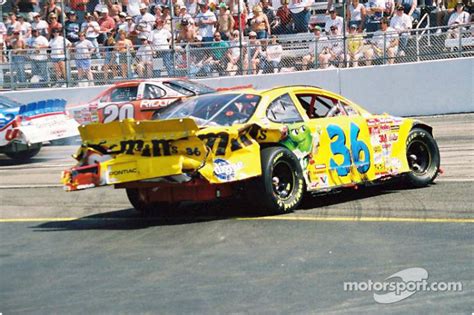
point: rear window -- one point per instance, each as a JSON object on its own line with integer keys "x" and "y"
{"x": 188, "y": 88}
{"x": 214, "y": 109}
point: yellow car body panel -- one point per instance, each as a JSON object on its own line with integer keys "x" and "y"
{"x": 351, "y": 148}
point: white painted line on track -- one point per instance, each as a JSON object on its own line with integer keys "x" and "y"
{"x": 455, "y": 180}
{"x": 30, "y": 186}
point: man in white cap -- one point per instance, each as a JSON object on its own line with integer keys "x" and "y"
{"x": 41, "y": 25}
{"x": 38, "y": 55}
{"x": 144, "y": 58}
{"x": 106, "y": 23}
{"x": 335, "y": 20}
{"x": 145, "y": 17}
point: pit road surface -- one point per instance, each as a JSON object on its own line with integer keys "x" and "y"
{"x": 89, "y": 252}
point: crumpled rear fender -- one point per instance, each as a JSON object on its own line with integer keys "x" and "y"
{"x": 130, "y": 151}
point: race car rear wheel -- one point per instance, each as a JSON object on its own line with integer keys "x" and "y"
{"x": 24, "y": 155}
{"x": 423, "y": 158}
{"x": 280, "y": 188}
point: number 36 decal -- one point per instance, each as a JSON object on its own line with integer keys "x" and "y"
{"x": 113, "y": 112}
{"x": 338, "y": 147}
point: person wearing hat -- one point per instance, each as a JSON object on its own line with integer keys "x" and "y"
{"x": 315, "y": 48}
{"x": 333, "y": 20}
{"x": 72, "y": 27}
{"x": 145, "y": 18}
{"x": 233, "y": 54}
{"x": 106, "y": 23}
{"x": 23, "y": 26}
{"x": 205, "y": 21}
{"x": 92, "y": 30}
{"x": 259, "y": 23}
{"x": 187, "y": 32}
{"x": 54, "y": 24}
{"x": 402, "y": 23}
{"x": 40, "y": 24}
{"x": 356, "y": 14}
{"x": 410, "y": 7}
{"x": 160, "y": 39}
{"x": 385, "y": 38}
{"x": 144, "y": 58}
{"x": 124, "y": 48}
{"x": 254, "y": 50}
{"x": 129, "y": 27}
{"x": 56, "y": 44}
{"x": 225, "y": 22}
{"x": 38, "y": 46}
{"x": 51, "y": 8}
{"x": 459, "y": 16}
{"x": 82, "y": 55}
{"x": 272, "y": 56}
{"x": 18, "y": 53}
{"x": 355, "y": 46}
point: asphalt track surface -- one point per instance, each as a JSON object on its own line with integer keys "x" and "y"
{"x": 89, "y": 252}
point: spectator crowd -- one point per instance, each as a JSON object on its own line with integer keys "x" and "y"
{"x": 132, "y": 34}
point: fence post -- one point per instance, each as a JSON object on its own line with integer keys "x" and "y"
{"x": 68, "y": 66}
{"x": 417, "y": 40}
{"x": 316, "y": 54}
{"x": 129, "y": 64}
{"x": 188, "y": 58}
{"x": 384, "y": 48}
{"x": 12, "y": 76}
{"x": 460, "y": 42}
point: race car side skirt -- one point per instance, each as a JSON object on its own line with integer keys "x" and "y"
{"x": 195, "y": 190}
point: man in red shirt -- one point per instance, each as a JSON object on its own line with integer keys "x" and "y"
{"x": 106, "y": 23}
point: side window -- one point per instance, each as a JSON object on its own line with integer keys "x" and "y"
{"x": 323, "y": 105}
{"x": 124, "y": 94}
{"x": 351, "y": 111}
{"x": 283, "y": 110}
{"x": 153, "y": 92}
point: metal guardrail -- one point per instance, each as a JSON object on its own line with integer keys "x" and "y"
{"x": 37, "y": 69}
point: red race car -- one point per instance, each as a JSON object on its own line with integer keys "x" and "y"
{"x": 136, "y": 99}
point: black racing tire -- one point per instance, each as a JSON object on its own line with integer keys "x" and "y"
{"x": 145, "y": 207}
{"x": 423, "y": 158}
{"x": 25, "y": 155}
{"x": 281, "y": 187}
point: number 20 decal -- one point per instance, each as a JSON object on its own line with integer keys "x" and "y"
{"x": 338, "y": 147}
{"x": 113, "y": 112}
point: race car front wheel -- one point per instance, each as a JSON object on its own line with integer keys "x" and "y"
{"x": 280, "y": 188}
{"x": 24, "y": 155}
{"x": 423, "y": 158}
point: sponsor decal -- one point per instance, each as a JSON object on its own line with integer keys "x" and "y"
{"x": 123, "y": 172}
{"x": 226, "y": 171}
{"x": 323, "y": 181}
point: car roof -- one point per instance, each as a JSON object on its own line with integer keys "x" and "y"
{"x": 138, "y": 81}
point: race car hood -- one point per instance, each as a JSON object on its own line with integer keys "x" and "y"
{"x": 129, "y": 151}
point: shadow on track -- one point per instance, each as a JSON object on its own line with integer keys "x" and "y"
{"x": 189, "y": 213}
{"x": 5, "y": 161}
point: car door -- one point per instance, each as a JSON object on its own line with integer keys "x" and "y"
{"x": 342, "y": 153}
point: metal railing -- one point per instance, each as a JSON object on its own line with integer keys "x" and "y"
{"x": 37, "y": 69}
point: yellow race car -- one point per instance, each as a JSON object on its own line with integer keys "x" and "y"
{"x": 272, "y": 146}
